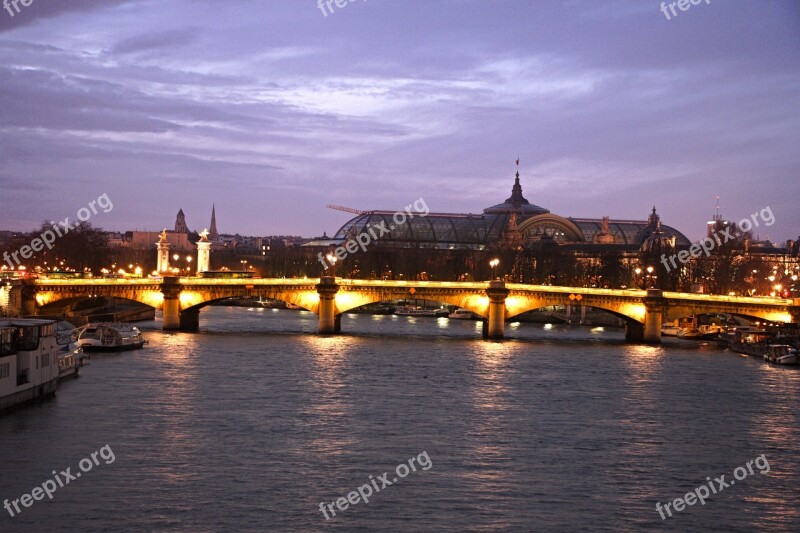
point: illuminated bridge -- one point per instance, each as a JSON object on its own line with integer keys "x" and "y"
{"x": 181, "y": 299}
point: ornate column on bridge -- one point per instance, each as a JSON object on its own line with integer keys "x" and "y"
{"x": 163, "y": 253}
{"x": 328, "y": 321}
{"x": 171, "y": 289}
{"x": 203, "y": 252}
{"x": 497, "y": 294}
{"x": 654, "y": 304}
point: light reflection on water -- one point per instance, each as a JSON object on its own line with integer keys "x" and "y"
{"x": 251, "y": 423}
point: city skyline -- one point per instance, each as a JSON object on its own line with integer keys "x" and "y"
{"x": 273, "y": 111}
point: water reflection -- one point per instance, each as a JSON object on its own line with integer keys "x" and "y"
{"x": 330, "y": 400}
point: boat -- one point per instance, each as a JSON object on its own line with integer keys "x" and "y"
{"x": 690, "y": 333}
{"x": 691, "y": 329}
{"x": 462, "y": 314}
{"x": 750, "y": 341}
{"x": 71, "y": 356}
{"x": 670, "y": 330}
{"x": 414, "y": 311}
{"x": 28, "y": 360}
{"x": 711, "y": 331}
{"x": 110, "y": 337}
{"x": 781, "y": 354}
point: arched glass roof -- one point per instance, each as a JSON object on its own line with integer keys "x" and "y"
{"x": 477, "y": 232}
{"x": 436, "y": 230}
{"x": 632, "y": 232}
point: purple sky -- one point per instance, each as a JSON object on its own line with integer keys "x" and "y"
{"x": 271, "y": 110}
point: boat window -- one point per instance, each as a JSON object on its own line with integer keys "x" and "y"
{"x": 7, "y": 342}
{"x": 47, "y": 330}
{"x": 27, "y": 338}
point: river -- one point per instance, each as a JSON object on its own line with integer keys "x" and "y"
{"x": 252, "y": 423}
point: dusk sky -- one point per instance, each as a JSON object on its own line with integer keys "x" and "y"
{"x": 271, "y": 110}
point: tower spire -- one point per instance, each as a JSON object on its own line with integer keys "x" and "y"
{"x": 213, "y": 233}
{"x": 516, "y": 198}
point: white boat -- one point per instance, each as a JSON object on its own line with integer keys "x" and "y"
{"x": 782, "y": 354}
{"x": 70, "y": 356}
{"x": 462, "y": 314}
{"x": 28, "y": 360}
{"x": 110, "y": 337}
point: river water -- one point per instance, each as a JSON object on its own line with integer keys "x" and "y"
{"x": 253, "y": 422}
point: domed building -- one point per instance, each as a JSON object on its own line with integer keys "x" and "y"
{"x": 514, "y": 224}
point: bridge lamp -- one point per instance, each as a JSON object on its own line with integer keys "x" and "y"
{"x": 175, "y": 257}
{"x": 493, "y": 263}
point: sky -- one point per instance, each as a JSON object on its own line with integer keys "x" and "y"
{"x": 271, "y": 109}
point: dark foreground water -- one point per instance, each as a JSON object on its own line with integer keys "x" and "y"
{"x": 250, "y": 424}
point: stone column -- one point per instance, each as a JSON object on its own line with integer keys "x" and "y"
{"x": 497, "y": 294}
{"x": 327, "y": 290}
{"x": 163, "y": 253}
{"x": 203, "y": 253}
{"x": 171, "y": 289}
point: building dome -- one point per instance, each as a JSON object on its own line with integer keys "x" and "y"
{"x": 516, "y": 203}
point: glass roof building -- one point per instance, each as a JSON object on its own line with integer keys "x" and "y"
{"x": 514, "y": 221}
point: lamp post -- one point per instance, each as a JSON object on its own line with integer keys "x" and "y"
{"x": 332, "y": 260}
{"x": 493, "y": 263}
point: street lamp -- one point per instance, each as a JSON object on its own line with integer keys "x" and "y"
{"x": 332, "y": 260}
{"x": 493, "y": 263}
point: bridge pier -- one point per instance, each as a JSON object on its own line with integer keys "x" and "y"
{"x": 654, "y": 304}
{"x": 794, "y": 310}
{"x": 497, "y": 294}
{"x": 190, "y": 320}
{"x": 171, "y": 290}
{"x": 28, "y": 300}
{"x": 329, "y": 321}
{"x": 634, "y": 331}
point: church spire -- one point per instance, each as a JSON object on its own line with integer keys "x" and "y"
{"x": 213, "y": 233}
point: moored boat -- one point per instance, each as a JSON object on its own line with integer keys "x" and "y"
{"x": 781, "y": 354}
{"x": 414, "y": 311}
{"x": 110, "y": 337}
{"x": 462, "y": 314}
{"x": 750, "y": 341}
{"x": 690, "y": 333}
{"x": 28, "y": 360}
{"x": 70, "y": 356}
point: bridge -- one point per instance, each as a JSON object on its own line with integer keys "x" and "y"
{"x": 181, "y": 299}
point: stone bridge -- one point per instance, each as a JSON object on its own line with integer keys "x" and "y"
{"x": 181, "y": 299}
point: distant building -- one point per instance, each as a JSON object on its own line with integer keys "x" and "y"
{"x": 514, "y": 224}
{"x": 146, "y": 240}
{"x": 180, "y": 223}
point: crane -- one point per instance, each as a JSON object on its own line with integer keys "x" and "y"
{"x": 345, "y": 209}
